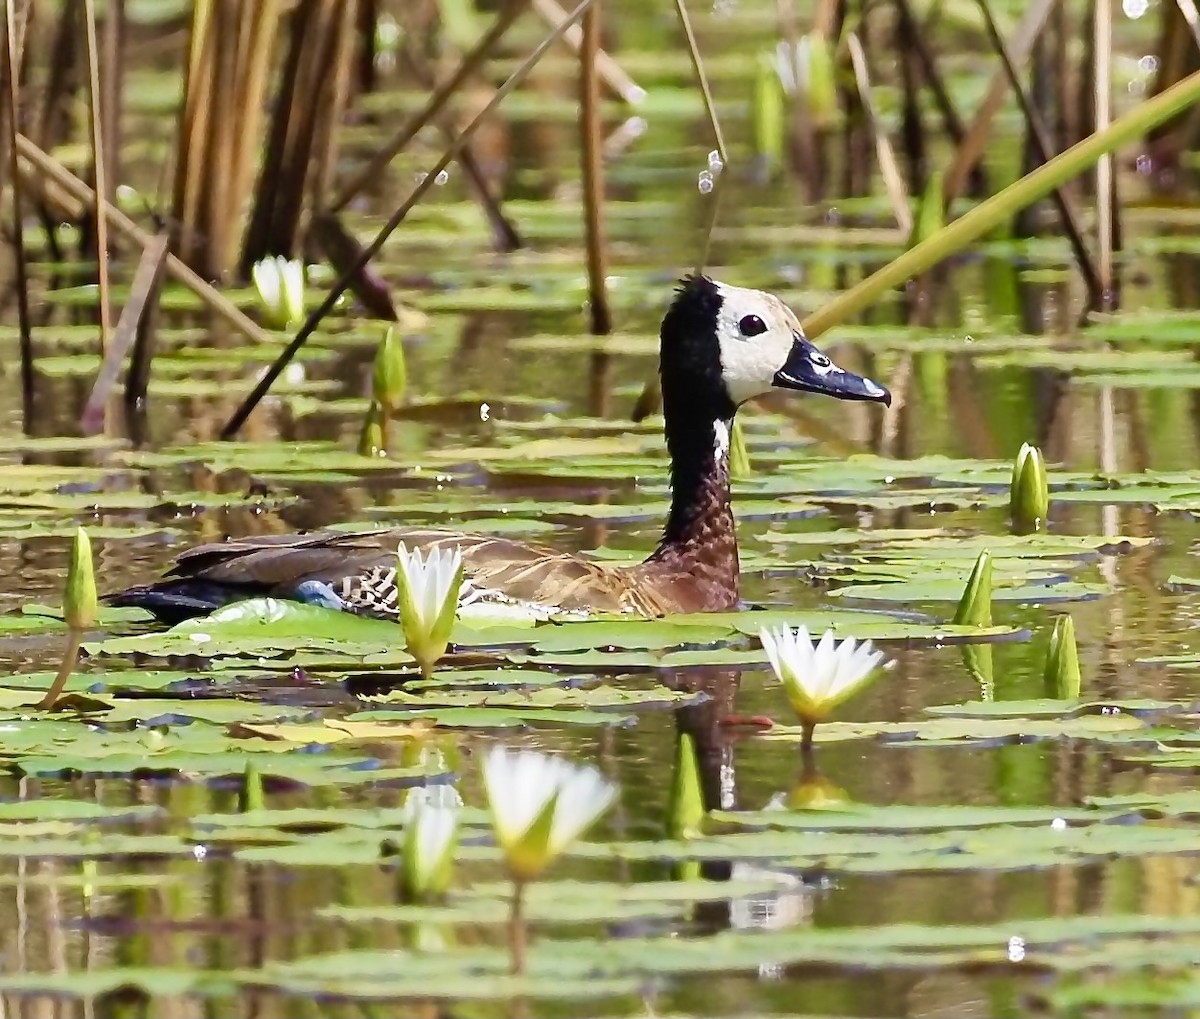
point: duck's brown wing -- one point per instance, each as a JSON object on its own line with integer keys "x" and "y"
{"x": 359, "y": 567}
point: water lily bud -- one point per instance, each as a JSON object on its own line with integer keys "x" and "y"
{"x": 1029, "y": 494}
{"x": 978, "y": 660}
{"x": 815, "y": 792}
{"x": 1061, "y": 677}
{"x": 427, "y": 589}
{"x": 370, "y": 439}
{"x": 251, "y": 796}
{"x": 819, "y": 676}
{"x": 818, "y": 79}
{"x": 739, "y": 455}
{"x": 540, "y": 805}
{"x": 975, "y": 606}
{"x": 390, "y": 373}
{"x": 687, "y": 799}
{"x": 280, "y": 285}
{"x": 427, "y": 856}
{"x": 80, "y": 604}
{"x": 767, "y": 113}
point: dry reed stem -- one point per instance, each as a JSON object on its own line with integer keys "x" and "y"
{"x": 42, "y": 164}
{"x": 99, "y": 182}
{"x": 329, "y": 119}
{"x": 145, "y": 285}
{"x": 1105, "y": 210}
{"x": 615, "y": 79}
{"x": 12, "y": 62}
{"x": 437, "y": 99}
{"x": 193, "y": 129}
{"x": 1044, "y": 149}
{"x": 929, "y": 70}
{"x": 593, "y": 174}
{"x": 710, "y": 107}
{"x": 975, "y": 141}
{"x": 310, "y": 324}
{"x": 893, "y": 182}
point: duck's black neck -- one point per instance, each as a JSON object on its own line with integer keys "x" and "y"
{"x": 700, "y": 511}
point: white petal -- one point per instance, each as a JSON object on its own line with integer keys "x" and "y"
{"x": 518, "y": 786}
{"x": 435, "y": 829}
{"x": 583, "y": 796}
{"x": 265, "y": 276}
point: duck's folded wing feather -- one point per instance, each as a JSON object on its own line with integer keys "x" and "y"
{"x": 358, "y": 565}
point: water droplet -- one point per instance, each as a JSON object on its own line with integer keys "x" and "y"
{"x": 890, "y": 479}
{"x": 1148, "y": 64}
{"x": 1059, "y": 824}
{"x": 968, "y": 338}
{"x": 1144, "y": 164}
{"x": 419, "y": 176}
{"x": 442, "y": 177}
{"x": 484, "y": 411}
{"x": 199, "y": 852}
{"x": 1135, "y": 8}
{"x": 715, "y": 163}
{"x": 1016, "y": 949}
{"x": 704, "y": 182}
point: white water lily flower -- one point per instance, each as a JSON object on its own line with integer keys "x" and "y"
{"x": 427, "y": 590}
{"x": 280, "y": 285}
{"x": 540, "y": 805}
{"x": 427, "y": 856}
{"x": 818, "y": 677}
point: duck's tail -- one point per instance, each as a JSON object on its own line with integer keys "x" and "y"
{"x": 172, "y": 601}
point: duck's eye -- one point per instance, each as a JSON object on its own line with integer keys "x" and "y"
{"x": 819, "y": 359}
{"x": 752, "y": 325}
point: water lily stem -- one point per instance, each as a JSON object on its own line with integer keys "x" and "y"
{"x": 516, "y": 929}
{"x": 70, "y": 659}
{"x": 807, "y": 729}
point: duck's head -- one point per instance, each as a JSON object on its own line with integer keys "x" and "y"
{"x": 723, "y": 345}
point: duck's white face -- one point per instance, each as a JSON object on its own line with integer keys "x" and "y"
{"x": 763, "y": 347}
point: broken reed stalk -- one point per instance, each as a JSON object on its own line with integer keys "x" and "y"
{"x": 1044, "y": 150}
{"x": 593, "y": 174}
{"x": 12, "y": 63}
{"x": 144, "y": 287}
{"x": 990, "y": 213}
{"x": 99, "y": 183}
{"x": 976, "y": 138}
{"x": 137, "y": 379}
{"x": 888, "y": 167}
{"x": 615, "y": 79}
{"x": 46, "y": 168}
{"x": 433, "y": 106}
{"x": 314, "y": 319}
{"x": 1105, "y": 183}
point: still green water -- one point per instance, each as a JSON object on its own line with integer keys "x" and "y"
{"x": 138, "y": 887}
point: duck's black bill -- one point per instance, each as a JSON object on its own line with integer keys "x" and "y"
{"x": 809, "y": 371}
